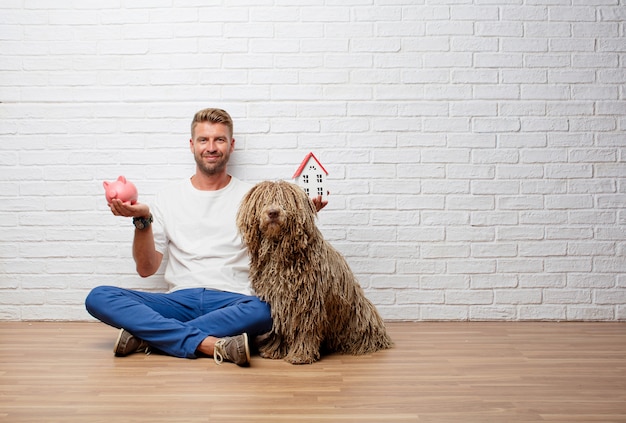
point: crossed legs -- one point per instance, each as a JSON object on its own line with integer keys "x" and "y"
{"x": 182, "y": 323}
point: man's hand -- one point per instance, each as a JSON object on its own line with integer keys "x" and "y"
{"x": 118, "y": 208}
{"x": 319, "y": 203}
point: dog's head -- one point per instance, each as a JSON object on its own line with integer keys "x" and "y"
{"x": 276, "y": 211}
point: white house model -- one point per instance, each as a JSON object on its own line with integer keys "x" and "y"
{"x": 311, "y": 176}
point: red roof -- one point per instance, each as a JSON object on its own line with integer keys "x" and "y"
{"x": 303, "y": 165}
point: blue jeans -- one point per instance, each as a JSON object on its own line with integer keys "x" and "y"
{"x": 177, "y": 322}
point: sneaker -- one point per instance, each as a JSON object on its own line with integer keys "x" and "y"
{"x": 127, "y": 344}
{"x": 234, "y": 349}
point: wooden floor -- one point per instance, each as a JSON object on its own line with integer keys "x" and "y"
{"x": 438, "y": 372}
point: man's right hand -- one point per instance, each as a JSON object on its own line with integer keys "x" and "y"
{"x": 119, "y": 208}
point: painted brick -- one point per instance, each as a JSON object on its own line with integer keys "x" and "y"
{"x": 493, "y": 281}
{"x": 542, "y": 312}
{"x": 494, "y": 250}
{"x": 518, "y": 296}
{"x": 444, "y": 312}
{"x": 486, "y": 313}
{"x": 438, "y": 282}
{"x": 583, "y": 313}
{"x": 493, "y": 218}
{"x": 520, "y": 266}
{"x": 469, "y": 297}
{"x": 421, "y": 297}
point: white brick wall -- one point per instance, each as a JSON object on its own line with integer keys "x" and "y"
{"x": 475, "y": 147}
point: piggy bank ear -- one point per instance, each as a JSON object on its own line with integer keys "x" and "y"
{"x": 105, "y": 184}
{"x": 121, "y": 179}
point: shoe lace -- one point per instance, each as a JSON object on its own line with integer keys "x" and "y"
{"x": 218, "y": 352}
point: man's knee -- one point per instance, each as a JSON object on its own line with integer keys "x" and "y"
{"x": 263, "y": 315}
{"x": 97, "y": 299}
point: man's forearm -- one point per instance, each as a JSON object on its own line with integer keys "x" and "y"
{"x": 147, "y": 259}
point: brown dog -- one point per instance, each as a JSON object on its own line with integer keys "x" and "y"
{"x": 316, "y": 302}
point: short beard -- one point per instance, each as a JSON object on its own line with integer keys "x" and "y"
{"x": 213, "y": 169}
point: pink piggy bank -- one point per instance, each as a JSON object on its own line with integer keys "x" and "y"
{"x": 120, "y": 189}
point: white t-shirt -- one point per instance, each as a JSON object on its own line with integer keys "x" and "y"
{"x": 198, "y": 231}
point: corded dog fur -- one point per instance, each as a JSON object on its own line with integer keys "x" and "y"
{"x": 317, "y": 304}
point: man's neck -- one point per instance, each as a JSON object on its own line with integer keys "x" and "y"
{"x": 204, "y": 182}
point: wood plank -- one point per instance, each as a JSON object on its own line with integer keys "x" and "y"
{"x": 438, "y": 372}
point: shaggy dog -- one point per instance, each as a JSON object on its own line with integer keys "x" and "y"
{"x": 316, "y": 302}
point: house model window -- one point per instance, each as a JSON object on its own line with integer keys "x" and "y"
{"x": 311, "y": 176}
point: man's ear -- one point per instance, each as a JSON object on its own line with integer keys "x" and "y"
{"x": 232, "y": 145}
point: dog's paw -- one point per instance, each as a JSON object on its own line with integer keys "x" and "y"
{"x": 271, "y": 354}
{"x": 297, "y": 359}
{"x": 273, "y": 351}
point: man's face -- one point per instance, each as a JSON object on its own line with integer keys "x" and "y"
{"x": 211, "y": 146}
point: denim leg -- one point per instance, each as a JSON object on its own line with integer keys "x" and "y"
{"x": 157, "y": 318}
{"x": 229, "y": 314}
{"x": 177, "y": 322}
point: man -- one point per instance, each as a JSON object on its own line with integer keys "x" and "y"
{"x": 210, "y": 309}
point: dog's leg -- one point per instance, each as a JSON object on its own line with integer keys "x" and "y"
{"x": 305, "y": 349}
{"x": 271, "y": 346}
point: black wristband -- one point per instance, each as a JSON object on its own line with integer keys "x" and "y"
{"x": 142, "y": 223}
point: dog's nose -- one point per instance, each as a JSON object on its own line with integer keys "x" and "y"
{"x": 273, "y": 213}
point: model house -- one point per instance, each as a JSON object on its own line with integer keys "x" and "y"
{"x": 311, "y": 176}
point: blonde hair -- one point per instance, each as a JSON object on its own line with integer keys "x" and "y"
{"x": 212, "y": 116}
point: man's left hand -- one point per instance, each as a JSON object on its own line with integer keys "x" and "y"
{"x": 319, "y": 203}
